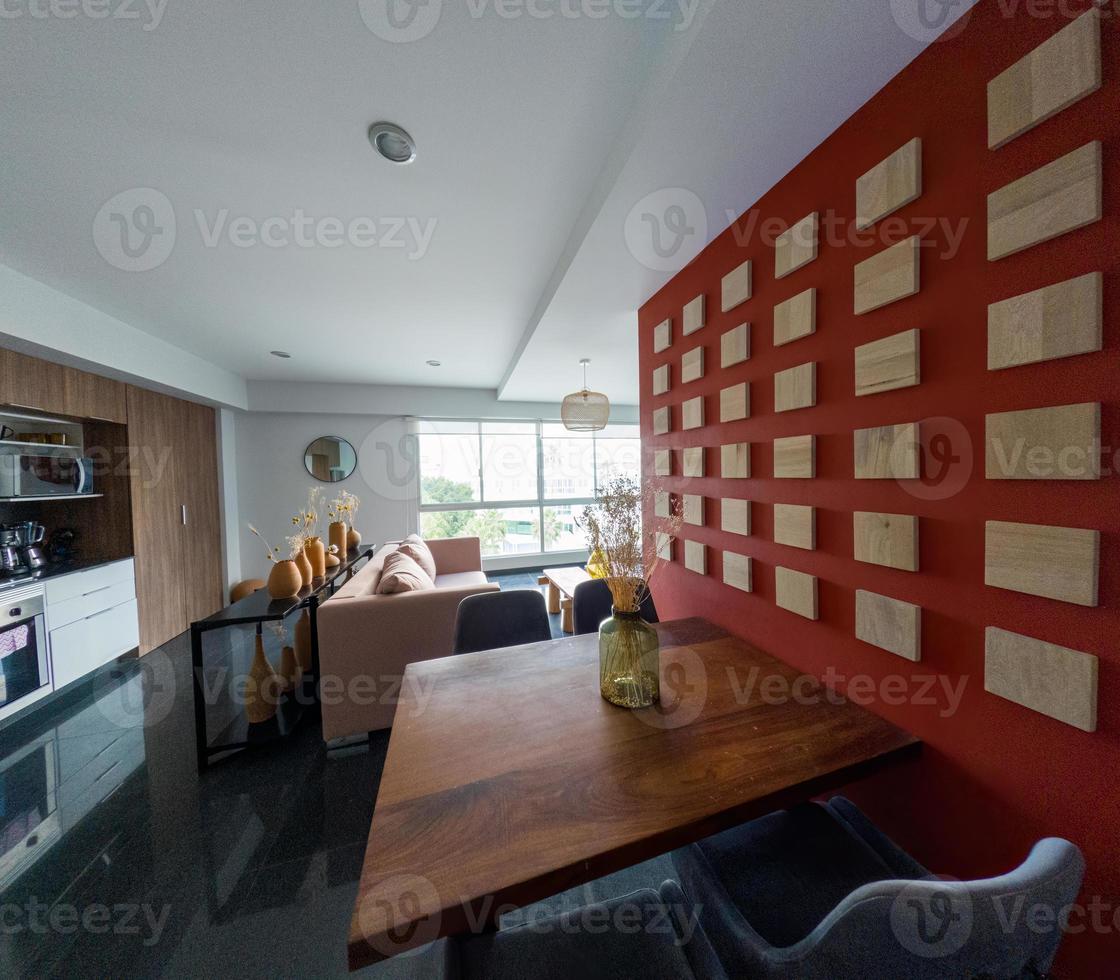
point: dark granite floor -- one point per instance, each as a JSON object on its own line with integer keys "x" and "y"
{"x": 118, "y": 859}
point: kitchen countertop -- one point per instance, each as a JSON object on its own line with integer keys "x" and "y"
{"x": 56, "y": 570}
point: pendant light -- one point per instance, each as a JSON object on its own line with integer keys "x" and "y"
{"x": 586, "y": 410}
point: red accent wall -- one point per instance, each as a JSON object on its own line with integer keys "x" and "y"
{"x": 995, "y": 777}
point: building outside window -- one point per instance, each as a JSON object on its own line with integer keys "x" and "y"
{"x": 519, "y": 486}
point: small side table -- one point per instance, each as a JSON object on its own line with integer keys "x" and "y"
{"x": 257, "y": 610}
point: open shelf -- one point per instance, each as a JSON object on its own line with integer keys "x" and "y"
{"x": 57, "y": 496}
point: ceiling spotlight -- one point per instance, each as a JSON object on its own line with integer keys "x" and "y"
{"x": 434, "y": 363}
{"x": 392, "y": 142}
{"x": 282, "y": 354}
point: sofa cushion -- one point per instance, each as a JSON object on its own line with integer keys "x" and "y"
{"x": 402, "y": 574}
{"x": 419, "y": 553}
{"x": 461, "y": 580}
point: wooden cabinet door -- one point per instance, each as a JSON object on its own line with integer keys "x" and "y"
{"x": 28, "y": 382}
{"x": 202, "y": 532}
{"x": 155, "y": 434}
{"x": 90, "y": 396}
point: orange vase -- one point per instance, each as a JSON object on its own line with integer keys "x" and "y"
{"x": 337, "y": 536}
{"x": 289, "y": 669}
{"x": 284, "y": 581}
{"x": 262, "y": 687}
{"x": 317, "y": 555}
{"x": 353, "y": 539}
{"x": 304, "y": 567}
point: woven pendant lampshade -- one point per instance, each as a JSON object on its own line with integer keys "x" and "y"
{"x": 586, "y": 410}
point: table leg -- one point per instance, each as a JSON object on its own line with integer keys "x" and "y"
{"x": 566, "y": 620}
{"x": 199, "y": 699}
{"x": 553, "y": 599}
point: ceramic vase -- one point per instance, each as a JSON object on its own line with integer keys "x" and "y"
{"x": 290, "y": 672}
{"x": 317, "y": 555}
{"x": 353, "y": 539}
{"x": 629, "y": 661}
{"x": 336, "y": 535}
{"x": 284, "y": 581}
{"x": 302, "y": 635}
{"x": 333, "y": 561}
{"x": 262, "y": 687}
{"x": 304, "y": 567}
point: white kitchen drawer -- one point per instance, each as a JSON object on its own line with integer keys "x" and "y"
{"x": 61, "y": 614}
{"x": 82, "y": 647}
{"x": 78, "y": 584}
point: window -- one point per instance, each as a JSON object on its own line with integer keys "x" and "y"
{"x": 519, "y": 486}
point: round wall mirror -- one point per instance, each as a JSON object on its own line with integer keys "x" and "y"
{"x": 330, "y": 459}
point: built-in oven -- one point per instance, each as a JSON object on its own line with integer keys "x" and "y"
{"x": 24, "y": 664}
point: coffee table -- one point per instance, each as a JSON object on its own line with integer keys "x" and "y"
{"x": 562, "y": 584}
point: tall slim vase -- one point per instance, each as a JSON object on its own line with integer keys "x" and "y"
{"x": 262, "y": 687}
{"x": 336, "y": 535}
{"x": 317, "y": 555}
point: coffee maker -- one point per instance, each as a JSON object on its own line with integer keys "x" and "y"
{"x": 11, "y": 555}
{"x": 28, "y": 539}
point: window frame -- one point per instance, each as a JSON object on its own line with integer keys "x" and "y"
{"x": 540, "y": 503}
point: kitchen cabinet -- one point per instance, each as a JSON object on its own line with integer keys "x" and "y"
{"x": 175, "y": 513}
{"x": 43, "y": 386}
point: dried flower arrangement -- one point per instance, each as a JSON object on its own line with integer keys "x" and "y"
{"x": 627, "y": 556}
{"x": 344, "y": 507}
{"x": 307, "y": 520}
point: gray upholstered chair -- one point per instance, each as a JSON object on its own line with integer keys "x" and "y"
{"x": 591, "y": 604}
{"x": 500, "y": 619}
{"x": 649, "y": 934}
{"x": 818, "y": 892}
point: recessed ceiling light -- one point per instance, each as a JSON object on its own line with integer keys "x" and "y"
{"x": 435, "y": 363}
{"x": 283, "y": 354}
{"x": 392, "y": 142}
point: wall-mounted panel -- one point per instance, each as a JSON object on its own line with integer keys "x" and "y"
{"x": 1052, "y": 562}
{"x": 665, "y": 547}
{"x": 662, "y": 462}
{"x": 893, "y": 274}
{"x": 795, "y": 526}
{"x": 888, "y": 452}
{"x": 1058, "y": 198}
{"x": 661, "y": 503}
{"x": 889, "y": 185}
{"x": 1051, "y": 679}
{"x": 795, "y": 388}
{"x": 795, "y": 458}
{"x": 694, "y": 316}
{"x": 797, "y": 246}
{"x": 795, "y": 318}
{"x": 889, "y": 364}
{"x": 661, "y": 421}
{"x": 661, "y": 380}
{"x": 889, "y": 624}
{"x": 693, "y": 461}
{"x": 696, "y": 557}
{"x": 692, "y": 413}
{"x": 1061, "y": 443}
{"x": 735, "y": 516}
{"x": 735, "y": 288}
{"x": 663, "y": 336}
{"x": 737, "y": 571}
{"x": 735, "y": 346}
{"x": 1054, "y": 76}
{"x": 734, "y": 403}
{"x": 890, "y": 540}
{"x": 694, "y": 509}
{"x": 692, "y": 365}
{"x": 1056, "y": 321}
{"x": 735, "y": 461}
{"x": 796, "y": 592}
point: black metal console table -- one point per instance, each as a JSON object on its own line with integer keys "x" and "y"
{"x": 257, "y": 610}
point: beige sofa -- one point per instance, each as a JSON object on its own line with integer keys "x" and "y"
{"x": 366, "y": 640}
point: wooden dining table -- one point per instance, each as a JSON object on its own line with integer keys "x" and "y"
{"x": 509, "y": 779}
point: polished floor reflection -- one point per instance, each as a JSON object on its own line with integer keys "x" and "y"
{"x": 117, "y": 859}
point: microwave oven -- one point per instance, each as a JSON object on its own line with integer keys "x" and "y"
{"x": 45, "y": 476}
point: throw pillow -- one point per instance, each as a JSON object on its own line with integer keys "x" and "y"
{"x": 419, "y": 553}
{"x": 401, "y": 574}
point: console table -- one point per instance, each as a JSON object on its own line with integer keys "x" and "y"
{"x": 257, "y": 610}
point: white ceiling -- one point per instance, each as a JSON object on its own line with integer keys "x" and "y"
{"x": 537, "y": 137}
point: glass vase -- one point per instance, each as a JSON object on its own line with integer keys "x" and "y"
{"x": 629, "y": 661}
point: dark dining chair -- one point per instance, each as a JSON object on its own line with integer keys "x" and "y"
{"x": 591, "y": 604}
{"x": 818, "y": 891}
{"x": 494, "y": 620}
